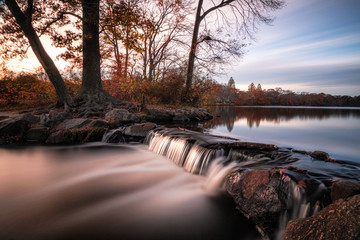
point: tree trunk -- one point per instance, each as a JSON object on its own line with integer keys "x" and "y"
{"x": 91, "y": 87}
{"x": 46, "y": 62}
{"x": 192, "y": 53}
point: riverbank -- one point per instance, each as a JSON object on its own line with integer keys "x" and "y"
{"x": 57, "y": 126}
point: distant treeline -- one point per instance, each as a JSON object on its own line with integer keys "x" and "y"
{"x": 256, "y": 96}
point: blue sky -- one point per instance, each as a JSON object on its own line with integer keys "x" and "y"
{"x": 312, "y": 46}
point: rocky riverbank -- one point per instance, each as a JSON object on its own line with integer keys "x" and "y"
{"x": 60, "y": 127}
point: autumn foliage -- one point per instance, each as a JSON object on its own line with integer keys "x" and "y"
{"x": 28, "y": 90}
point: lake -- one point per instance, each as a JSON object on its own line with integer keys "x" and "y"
{"x": 333, "y": 130}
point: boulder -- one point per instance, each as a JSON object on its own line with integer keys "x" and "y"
{"x": 98, "y": 123}
{"x": 181, "y": 117}
{"x": 119, "y": 116}
{"x": 30, "y": 118}
{"x": 14, "y": 129}
{"x": 159, "y": 115}
{"x": 74, "y": 123}
{"x": 320, "y": 155}
{"x": 73, "y": 136}
{"x": 339, "y": 220}
{"x": 114, "y": 136}
{"x": 261, "y": 195}
{"x": 140, "y": 129}
{"x": 344, "y": 189}
{"x": 54, "y": 118}
{"x": 38, "y": 134}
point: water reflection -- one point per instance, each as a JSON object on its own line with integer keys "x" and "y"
{"x": 227, "y": 116}
{"x": 333, "y": 130}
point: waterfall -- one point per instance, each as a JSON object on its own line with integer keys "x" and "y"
{"x": 299, "y": 206}
{"x": 185, "y": 153}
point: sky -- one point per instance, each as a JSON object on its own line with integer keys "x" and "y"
{"x": 312, "y": 46}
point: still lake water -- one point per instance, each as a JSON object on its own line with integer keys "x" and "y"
{"x": 333, "y": 130}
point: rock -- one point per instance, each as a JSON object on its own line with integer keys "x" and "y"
{"x": 344, "y": 189}
{"x": 74, "y": 123}
{"x": 94, "y": 114}
{"x": 72, "y": 136}
{"x": 261, "y": 195}
{"x": 159, "y": 115}
{"x": 339, "y": 220}
{"x": 30, "y": 118}
{"x": 13, "y": 130}
{"x": 119, "y": 116}
{"x": 98, "y": 123}
{"x": 114, "y": 136}
{"x": 180, "y": 117}
{"x": 38, "y": 134}
{"x": 3, "y": 117}
{"x": 320, "y": 155}
{"x": 140, "y": 129}
{"x": 54, "y": 118}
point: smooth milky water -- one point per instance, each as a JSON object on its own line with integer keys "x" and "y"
{"x": 102, "y": 191}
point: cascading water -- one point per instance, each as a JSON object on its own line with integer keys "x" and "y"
{"x": 191, "y": 156}
{"x": 195, "y": 158}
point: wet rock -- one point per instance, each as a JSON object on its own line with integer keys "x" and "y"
{"x": 261, "y": 195}
{"x": 38, "y": 134}
{"x": 339, "y": 220}
{"x": 320, "y": 155}
{"x": 114, "y": 136}
{"x": 139, "y": 130}
{"x": 13, "y": 130}
{"x": 344, "y": 189}
{"x": 30, "y": 118}
{"x": 74, "y": 123}
{"x": 120, "y": 116}
{"x": 54, "y": 118}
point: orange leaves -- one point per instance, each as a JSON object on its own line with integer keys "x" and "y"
{"x": 27, "y": 89}
{"x": 301, "y": 184}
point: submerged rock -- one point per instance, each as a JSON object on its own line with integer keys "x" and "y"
{"x": 261, "y": 195}
{"x": 344, "y": 189}
{"x": 339, "y": 220}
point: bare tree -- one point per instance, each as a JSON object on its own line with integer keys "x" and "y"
{"x": 163, "y": 30}
{"x": 246, "y": 14}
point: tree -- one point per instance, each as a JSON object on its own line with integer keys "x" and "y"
{"x": 24, "y": 20}
{"x": 163, "y": 29}
{"x": 251, "y": 87}
{"x": 258, "y": 88}
{"x": 91, "y": 88}
{"x": 247, "y": 14}
{"x": 121, "y": 21}
{"x": 231, "y": 83}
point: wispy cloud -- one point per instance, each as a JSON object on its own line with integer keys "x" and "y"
{"x": 313, "y": 46}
